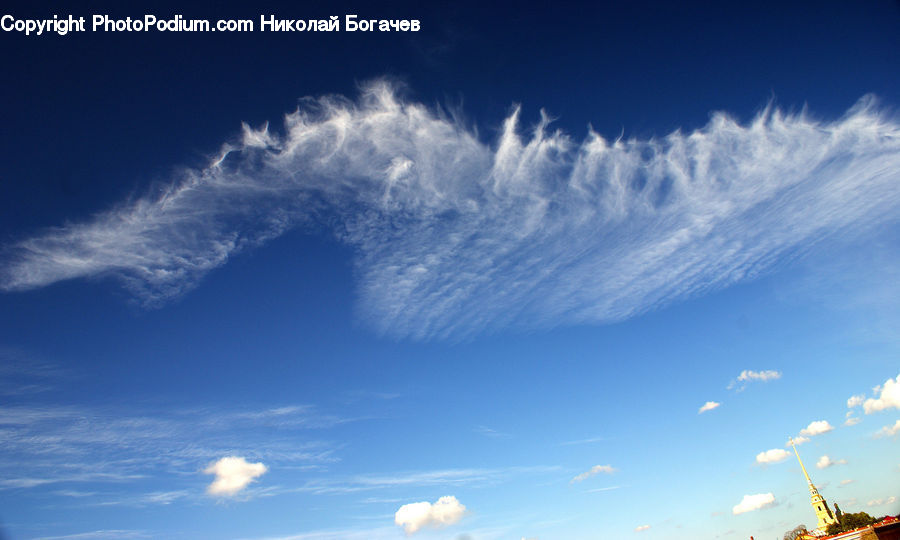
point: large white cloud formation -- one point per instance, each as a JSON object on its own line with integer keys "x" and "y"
{"x": 232, "y": 475}
{"x": 888, "y": 398}
{"x": 414, "y": 516}
{"x": 454, "y": 236}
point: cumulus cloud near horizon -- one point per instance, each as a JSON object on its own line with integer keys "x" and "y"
{"x": 414, "y": 516}
{"x": 880, "y": 502}
{"x": 232, "y": 475}
{"x": 454, "y": 236}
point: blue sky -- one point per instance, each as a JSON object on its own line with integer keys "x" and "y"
{"x": 553, "y": 273}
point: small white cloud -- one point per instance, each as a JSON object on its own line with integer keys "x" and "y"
{"x": 708, "y": 406}
{"x": 889, "y": 398}
{"x": 768, "y": 375}
{"x": 414, "y": 516}
{"x": 816, "y": 428}
{"x": 748, "y": 376}
{"x": 641, "y": 528}
{"x": 797, "y": 441}
{"x": 754, "y": 502}
{"x": 889, "y": 431}
{"x": 825, "y": 462}
{"x": 846, "y": 482}
{"x": 232, "y": 475}
{"x": 852, "y": 421}
{"x": 774, "y": 455}
{"x": 881, "y": 502}
{"x": 596, "y": 469}
{"x": 855, "y": 401}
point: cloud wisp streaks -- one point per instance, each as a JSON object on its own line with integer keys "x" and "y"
{"x": 444, "y": 478}
{"x": 454, "y": 236}
{"x": 73, "y": 446}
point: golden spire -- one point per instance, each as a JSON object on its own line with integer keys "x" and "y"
{"x": 812, "y": 488}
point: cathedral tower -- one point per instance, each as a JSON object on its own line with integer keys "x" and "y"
{"x": 823, "y": 513}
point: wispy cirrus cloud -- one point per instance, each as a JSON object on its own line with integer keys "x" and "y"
{"x": 439, "y": 477}
{"x": 22, "y": 374}
{"x": 536, "y": 230}
{"x": 391, "y": 533}
{"x": 600, "y": 490}
{"x": 380, "y": 533}
{"x": 69, "y": 447}
{"x": 77, "y": 477}
{"x": 153, "y": 498}
{"x": 589, "y": 440}
{"x": 491, "y": 432}
{"x": 103, "y": 534}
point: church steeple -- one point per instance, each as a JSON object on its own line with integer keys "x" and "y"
{"x": 823, "y": 513}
